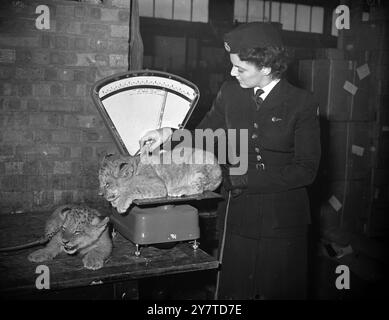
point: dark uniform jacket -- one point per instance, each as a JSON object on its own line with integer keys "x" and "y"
{"x": 283, "y": 156}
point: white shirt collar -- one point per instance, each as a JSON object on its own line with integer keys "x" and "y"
{"x": 269, "y": 87}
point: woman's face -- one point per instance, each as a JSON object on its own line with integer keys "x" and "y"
{"x": 247, "y": 74}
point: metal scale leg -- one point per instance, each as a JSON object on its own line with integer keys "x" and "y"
{"x": 137, "y": 251}
{"x": 195, "y": 245}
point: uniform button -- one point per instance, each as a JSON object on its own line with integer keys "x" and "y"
{"x": 255, "y": 125}
{"x": 254, "y": 136}
{"x": 259, "y": 157}
{"x": 260, "y": 166}
{"x": 256, "y": 149}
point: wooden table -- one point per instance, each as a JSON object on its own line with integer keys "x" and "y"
{"x": 118, "y": 279}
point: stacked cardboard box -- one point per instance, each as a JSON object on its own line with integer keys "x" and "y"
{"x": 350, "y": 85}
{"x": 346, "y": 115}
{"x": 369, "y": 44}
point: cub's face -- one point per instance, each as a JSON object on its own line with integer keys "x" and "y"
{"x": 109, "y": 187}
{"x": 81, "y": 230}
{"x": 114, "y": 176}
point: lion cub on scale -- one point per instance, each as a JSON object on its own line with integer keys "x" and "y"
{"x": 76, "y": 229}
{"x": 175, "y": 173}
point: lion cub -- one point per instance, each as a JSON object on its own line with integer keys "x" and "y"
{"x": 175, "y": 174}
{"x": 76, "y": 229}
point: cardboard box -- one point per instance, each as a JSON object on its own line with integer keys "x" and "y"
{"x": 346, "y": 152}
{"x": 337, "y": 86}
{"x": 353, "y": 198}
{"x": 379, "y": 221}
{"x": 330, "y": 53}
{"x": 383, "y": 151}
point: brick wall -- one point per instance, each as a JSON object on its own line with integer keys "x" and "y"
{"x": 51, "y": 135}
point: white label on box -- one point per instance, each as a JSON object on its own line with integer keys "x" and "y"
{"x": 365, "y": 16}
{"x": 335, "y": 203}
{"x": 357, "y": 150}
{"x": 348, "y": 86}
{"x": 363, "y": 71}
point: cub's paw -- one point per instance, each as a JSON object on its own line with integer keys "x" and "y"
{"x": 181, "y": 192}
{"x": 123, "y": 204}
{"x": 40, "y": 255}
{"x": 175, "y": 193}
{"x": 93, "y": 261}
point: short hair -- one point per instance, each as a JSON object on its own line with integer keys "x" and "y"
{"x": 276, "y": 58}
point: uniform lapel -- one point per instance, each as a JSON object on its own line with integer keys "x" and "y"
{"x": 277, "y": 95}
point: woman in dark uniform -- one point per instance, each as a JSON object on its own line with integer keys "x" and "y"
{"x": 263, "y": 223}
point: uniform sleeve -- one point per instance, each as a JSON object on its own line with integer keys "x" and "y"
{"x": 302, "y": 171}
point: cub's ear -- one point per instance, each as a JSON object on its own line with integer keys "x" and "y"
{"x": 125, "y": 169}
{"x": 100, "y": 223}
{"x": 106, "y": 157}
{"x": 57, "y": 219}
{"x": 64, "y": 212}
{"x": 123, "y": 166}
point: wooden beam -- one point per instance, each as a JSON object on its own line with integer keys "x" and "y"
{"x": 135, "y": 56}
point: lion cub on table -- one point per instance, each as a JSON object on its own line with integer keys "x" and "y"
{"x": 170, "y": 173}
{"x": 75, "y": 229}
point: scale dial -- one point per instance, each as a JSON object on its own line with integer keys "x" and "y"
{"x": 133, "y": 103}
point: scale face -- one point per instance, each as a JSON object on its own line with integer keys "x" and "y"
{"x": 134, "y": 102}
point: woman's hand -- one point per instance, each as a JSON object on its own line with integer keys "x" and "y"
{"x": 234, "y": 183}
{"x": 154, "y": 138}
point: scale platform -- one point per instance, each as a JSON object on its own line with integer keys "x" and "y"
{"x": 132, "y": 103}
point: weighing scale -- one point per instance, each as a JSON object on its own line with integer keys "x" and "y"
{"x": 132, "y": 103}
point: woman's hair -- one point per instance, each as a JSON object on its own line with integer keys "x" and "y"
{"x": 275, "y": 58}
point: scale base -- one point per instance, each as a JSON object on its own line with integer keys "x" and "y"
{"x": 158, "y": 225}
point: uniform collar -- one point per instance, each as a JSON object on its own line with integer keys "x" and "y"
{"x": 266, "y": 89}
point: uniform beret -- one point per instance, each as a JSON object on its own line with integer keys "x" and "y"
{"x": 252, "y": 35}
